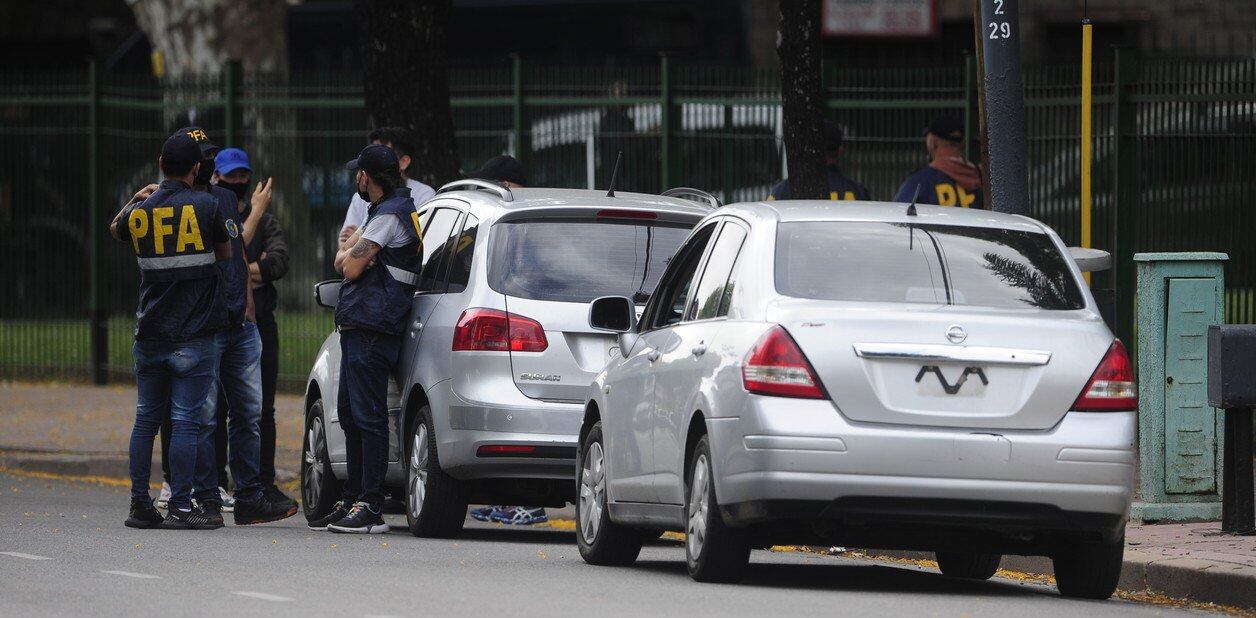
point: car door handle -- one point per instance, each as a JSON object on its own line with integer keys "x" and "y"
{"x": 699, "y": 350}
{"x": 652, "y": 355}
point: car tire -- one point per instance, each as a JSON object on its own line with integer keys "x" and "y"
{"x": 319, "y": 487}
{"x": 968, "y": 565}
{"x": 436, "y": 503}
{"x": 601, "y": 541}
{"x": 714, "y": 552}
{"x": 1089, "y": 570}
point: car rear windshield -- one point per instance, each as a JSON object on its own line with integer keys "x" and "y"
{"x": 937, "y": 264}
{"x": 580, "y": 260}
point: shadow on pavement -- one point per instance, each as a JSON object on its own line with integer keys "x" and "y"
{"x": 516, "y": 534}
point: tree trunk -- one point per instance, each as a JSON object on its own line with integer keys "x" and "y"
{"x": 406, "y": 78}
{"x": 802, "y": 102}
{"x": 199, "y": 36}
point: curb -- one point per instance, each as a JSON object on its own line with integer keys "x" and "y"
{"x": 97, "y": 465}
{"x": 1185, "y": 578}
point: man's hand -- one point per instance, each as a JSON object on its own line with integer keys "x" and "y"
{"x": 261, "y": 195}
{"x": 255, "y": 272}
{"x": 143, "y": 194}
{"x": 347, "y": 234}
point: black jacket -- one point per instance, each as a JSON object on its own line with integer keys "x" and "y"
{"x": 268, "y": 239}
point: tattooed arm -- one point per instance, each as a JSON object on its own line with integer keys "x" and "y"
{"x": 357, "y": 257}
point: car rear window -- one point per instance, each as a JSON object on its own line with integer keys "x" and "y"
{"x": 936, "y": 264}
{"x": 580, "y": 260}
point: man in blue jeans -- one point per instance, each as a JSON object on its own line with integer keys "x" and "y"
{"x": 380, "y": 263}
{"x": 177, "y": 235}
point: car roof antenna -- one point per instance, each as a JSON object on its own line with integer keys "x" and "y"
{"x": 911, "y": 208}
{"x": 610, "y": 191}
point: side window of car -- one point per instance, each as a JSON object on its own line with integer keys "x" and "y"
{"x": 461, "y": 252}
{"x": 667, "y": 306}
{"x": 437, "y": 230}
{"x": 717, "y": 278}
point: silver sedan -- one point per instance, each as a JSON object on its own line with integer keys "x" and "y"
{"x": 866, "y": 375}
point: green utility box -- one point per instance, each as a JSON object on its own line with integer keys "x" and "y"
{"x": 1179, "y": 434}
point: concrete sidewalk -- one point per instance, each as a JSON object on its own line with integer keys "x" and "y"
{"x": 83, "y": 431}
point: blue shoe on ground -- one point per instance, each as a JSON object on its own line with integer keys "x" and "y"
{"x": 519, "y": 516}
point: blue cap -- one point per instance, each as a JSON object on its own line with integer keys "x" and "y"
{"x": 230, "y": 160}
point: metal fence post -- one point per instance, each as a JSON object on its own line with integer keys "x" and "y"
{"x": 99, "y": 324}
{"x": 1126, "y": 191}
{"x": 518, "y": 115}
{"x": 666, "y": 102}
{"x": 231, "y": 102}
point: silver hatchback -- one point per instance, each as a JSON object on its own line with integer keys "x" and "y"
{"x": 864, "y": 375}
{"x": 488, "y": 395}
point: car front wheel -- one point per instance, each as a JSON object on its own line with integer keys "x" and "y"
{"x": 319, "y": 488}
{"x": 601, "y": 541}
{"x": 436, "y": 503}
{"x": 714, "y": 552}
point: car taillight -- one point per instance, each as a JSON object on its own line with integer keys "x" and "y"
{"x": 776, "y": 366}
{"x": 494, "y": 330}
{"x": 1112, "y": 386}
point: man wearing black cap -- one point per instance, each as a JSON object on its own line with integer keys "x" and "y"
{"x": 380, "y": 264}
{"x": 177, "y": 234}
{"x": 840, "y": 187}
{"x": 503, "y": 169}
{"x": 948, "y": 180}
{"x": 401, "y": 141}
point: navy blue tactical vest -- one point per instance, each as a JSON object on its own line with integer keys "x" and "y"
{"x": 938, "y": 188}
{"x": 235, "y": 272}
{"x": 379, "y": 300}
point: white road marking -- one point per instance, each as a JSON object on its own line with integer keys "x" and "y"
{"x": 135, "y": 575}
{"x": 262, "y": 596}
{"x": 18, "y": 554}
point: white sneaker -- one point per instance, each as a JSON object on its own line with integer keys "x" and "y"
{"x": 163, "y": 499}
{"x": 228, "y": 503}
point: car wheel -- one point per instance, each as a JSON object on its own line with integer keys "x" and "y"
{"x": 319, "y": 488}
{"x": 601, "y": 541}
{"x": 967, "y": 565}
{"x": 436, "y": 503}
{"x": 1089, "y": 571}
{"x": 714, "y": 552}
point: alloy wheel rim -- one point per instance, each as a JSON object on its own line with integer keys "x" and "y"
{"x": 418, "y": 471}
{"x": 314, "y": 461}
{"x": 698, "y": 511}
{"x": 592, "y": 493}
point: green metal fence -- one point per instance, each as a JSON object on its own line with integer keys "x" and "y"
{"x": 1175, "y": 150}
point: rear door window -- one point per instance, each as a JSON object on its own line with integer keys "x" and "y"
{"x": 913, "y": 263}
{"x": 709, "y": 299}
{"x": 437, "y": 230}
{"x": 460, "y": 265}
{"x": 578, "y": 260}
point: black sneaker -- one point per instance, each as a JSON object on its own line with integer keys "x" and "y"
{"x": 212, "y": 511}
{"x": 192, "y": 519}
{"x": 261, "y": 511}
{"x": 279, "y": 497}
{"x": 143, "y": 515}
{"x": 363, "y": 519}
{"x": 338, "y": 512}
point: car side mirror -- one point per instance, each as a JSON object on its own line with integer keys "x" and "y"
{"x": 616, "y": 314}
{"x": 1090, "y": 260}
{"x": 327, "y": 293}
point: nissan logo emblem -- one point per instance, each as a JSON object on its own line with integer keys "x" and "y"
{"x": 956, "y": 334}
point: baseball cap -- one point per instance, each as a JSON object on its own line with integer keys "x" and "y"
{"x": 832, "y": 136}
{"x": 208, "y": 149}
{"x": 948, "y": 128}
{"x": 232, "y": 159}
{"x": 375, "y": 159}
{"x": 180, "y": 151}
{"x": 501, "y": 168}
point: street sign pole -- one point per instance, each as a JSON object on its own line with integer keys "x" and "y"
{"x": 1003, "y": 95}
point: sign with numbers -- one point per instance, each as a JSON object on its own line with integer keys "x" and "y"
{"x": 880, "y": 18}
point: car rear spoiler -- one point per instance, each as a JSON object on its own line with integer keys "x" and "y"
{"x": 694, "y": 195}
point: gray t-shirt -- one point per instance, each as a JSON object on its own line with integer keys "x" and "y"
{"x": 386, "y": 231}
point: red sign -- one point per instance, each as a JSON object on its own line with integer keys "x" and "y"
{"x": 880, "y": 18}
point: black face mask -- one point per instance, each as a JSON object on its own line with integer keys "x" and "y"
{"x": 238, "y": 188}
{"x": 364, "y": 195}
{"x": 206, "y": 173}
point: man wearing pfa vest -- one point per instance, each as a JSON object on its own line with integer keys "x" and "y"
{"x": 948, "y": 180}
{"x": 840, "y": 187}
{"x": 177, "y": 234}
{"x": 380, "y": 263}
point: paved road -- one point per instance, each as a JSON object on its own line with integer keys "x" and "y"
{"x": 63, "y": 551}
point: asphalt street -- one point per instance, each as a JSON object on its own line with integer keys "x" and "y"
{"x": 64, "y": 551}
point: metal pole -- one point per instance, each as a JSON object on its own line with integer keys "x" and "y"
{"x": 518, "y": 111}
{"x": 99, "y": 324}
{"x": 1087, "y": 102}
{"x": 1238, "y": 499}
{"x": 665, "y": 92}
{"x": 1004, "y": 109}
{"x": 231, "y": 102}
{"x": 1125, "y": 190}
{"x": 971, "y": 139}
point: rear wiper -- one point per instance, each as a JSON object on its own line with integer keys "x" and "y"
{"x": 645, "y": 268}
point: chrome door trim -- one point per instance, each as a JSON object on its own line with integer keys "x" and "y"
{"x": 963, "y": 354}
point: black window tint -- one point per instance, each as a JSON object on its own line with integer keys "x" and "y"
{"x": 935, "y": 264}
{"x": 579, "y": 260}
{"x": 436, "y": 232}
{"x": 716, "y": 277}
{"x": 462, "y": 250}
{"x": 668, "y": 305}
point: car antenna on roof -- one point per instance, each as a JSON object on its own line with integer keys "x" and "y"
{"x": 911, "y": 208}
{"x": 610, "y": 191}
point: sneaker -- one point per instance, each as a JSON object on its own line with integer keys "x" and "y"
{"x": 363, "y": 519}
{"x": 143, "y": 515}
{"x": 338, "y": 512}
{"x": 191, "y": 519}
{"x": 261, "y": 511}
{"x": 520, "y": 516}
{"x": 484, "y": 513}
{"x": 279, "y": 497}
{"x": 212, "y": 511}
{"x": 228, "y": 503}
{"x": 163, "y": 498}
